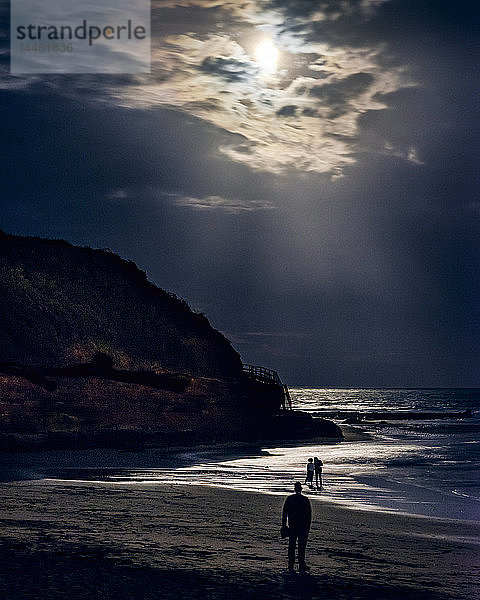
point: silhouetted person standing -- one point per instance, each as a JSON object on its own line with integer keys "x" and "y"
{"x": 318, "y": 464}
{"x": 310, "y": 472}
{"x": 298, "y": 512}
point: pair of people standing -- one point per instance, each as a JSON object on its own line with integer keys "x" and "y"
{"x": 314, "y": 468}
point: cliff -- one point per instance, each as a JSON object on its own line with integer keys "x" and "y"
{"x": 92, "y": 353}
{"x": 61, "y": 304}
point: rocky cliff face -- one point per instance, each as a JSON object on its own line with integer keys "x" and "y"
{"x": 93, "y": 354}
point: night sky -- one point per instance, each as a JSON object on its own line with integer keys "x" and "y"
{"x": 317, "y": 197}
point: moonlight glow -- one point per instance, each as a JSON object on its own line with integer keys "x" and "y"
{"x": 266, "y": 55}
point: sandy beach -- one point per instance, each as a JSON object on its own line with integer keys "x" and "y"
{"x": 88, "y": 540}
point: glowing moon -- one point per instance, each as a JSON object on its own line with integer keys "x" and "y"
{"x": 266, "y": 55}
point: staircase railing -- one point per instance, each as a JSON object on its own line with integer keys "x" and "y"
{"x": 269, "y": 377}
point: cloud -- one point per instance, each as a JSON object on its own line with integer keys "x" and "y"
{"x": 287, "y": 111}
{"x": 289, "y": 120}
{"x": 337, "y": 94}
{"x": 247, "y": 335}
{"x": 215, "y": 80}
{"x": 219, "y": 203}
{"x": 117, "y": 194}
{"x": 325, "y": 10}
{"x": 305, "y": 117}
{"x": 230, "y": 69}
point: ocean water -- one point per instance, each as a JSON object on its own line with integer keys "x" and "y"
{"x": 423, "y": 467}
{"x": 428, "y": 467}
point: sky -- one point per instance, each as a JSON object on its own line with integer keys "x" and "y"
{"x": 303, "y": 172}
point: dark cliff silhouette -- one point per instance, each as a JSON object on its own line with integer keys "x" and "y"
{"x": 61, "y": 304}
{"x": 92, "y": 353}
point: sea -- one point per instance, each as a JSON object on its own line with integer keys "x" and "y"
{"x": 428, "y": 467}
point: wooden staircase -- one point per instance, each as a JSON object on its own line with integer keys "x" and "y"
{"x": 269, "y": 377}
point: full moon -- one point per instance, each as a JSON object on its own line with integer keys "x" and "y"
{"x": 266, "y": 55}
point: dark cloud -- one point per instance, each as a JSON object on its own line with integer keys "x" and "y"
{"x": 343, "y": 89}
{"x": 176, "y": 20}
{"x": 287, "y": 111}
{"x": 306, "y": 8}
{"x": 231, "y": 69}
{"x": 337, "y": 95}
{"x": 410, "y": 32}
{"x": 60, "y": 146}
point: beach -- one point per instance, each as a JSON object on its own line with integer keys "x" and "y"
{"x": 70, "y": 539}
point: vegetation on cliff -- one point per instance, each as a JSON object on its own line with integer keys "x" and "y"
{"x": 61, "y": 304}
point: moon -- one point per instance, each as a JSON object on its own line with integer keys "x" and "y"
{"x": 266, "y": 55}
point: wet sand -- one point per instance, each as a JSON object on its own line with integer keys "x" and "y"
{"x": 74, "y": 540}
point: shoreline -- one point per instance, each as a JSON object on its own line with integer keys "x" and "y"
{"x": 349, "y": 505}
{"x": 209, "y": 465}
{"x": 156, "y": 538}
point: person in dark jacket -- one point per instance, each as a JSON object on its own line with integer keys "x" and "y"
{"x": 318, "y": 465}
{"x": 297, "y": 511}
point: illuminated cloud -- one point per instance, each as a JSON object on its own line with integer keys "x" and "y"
{"x": 226, "y": 204}
{"x": 302, "y": 116}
